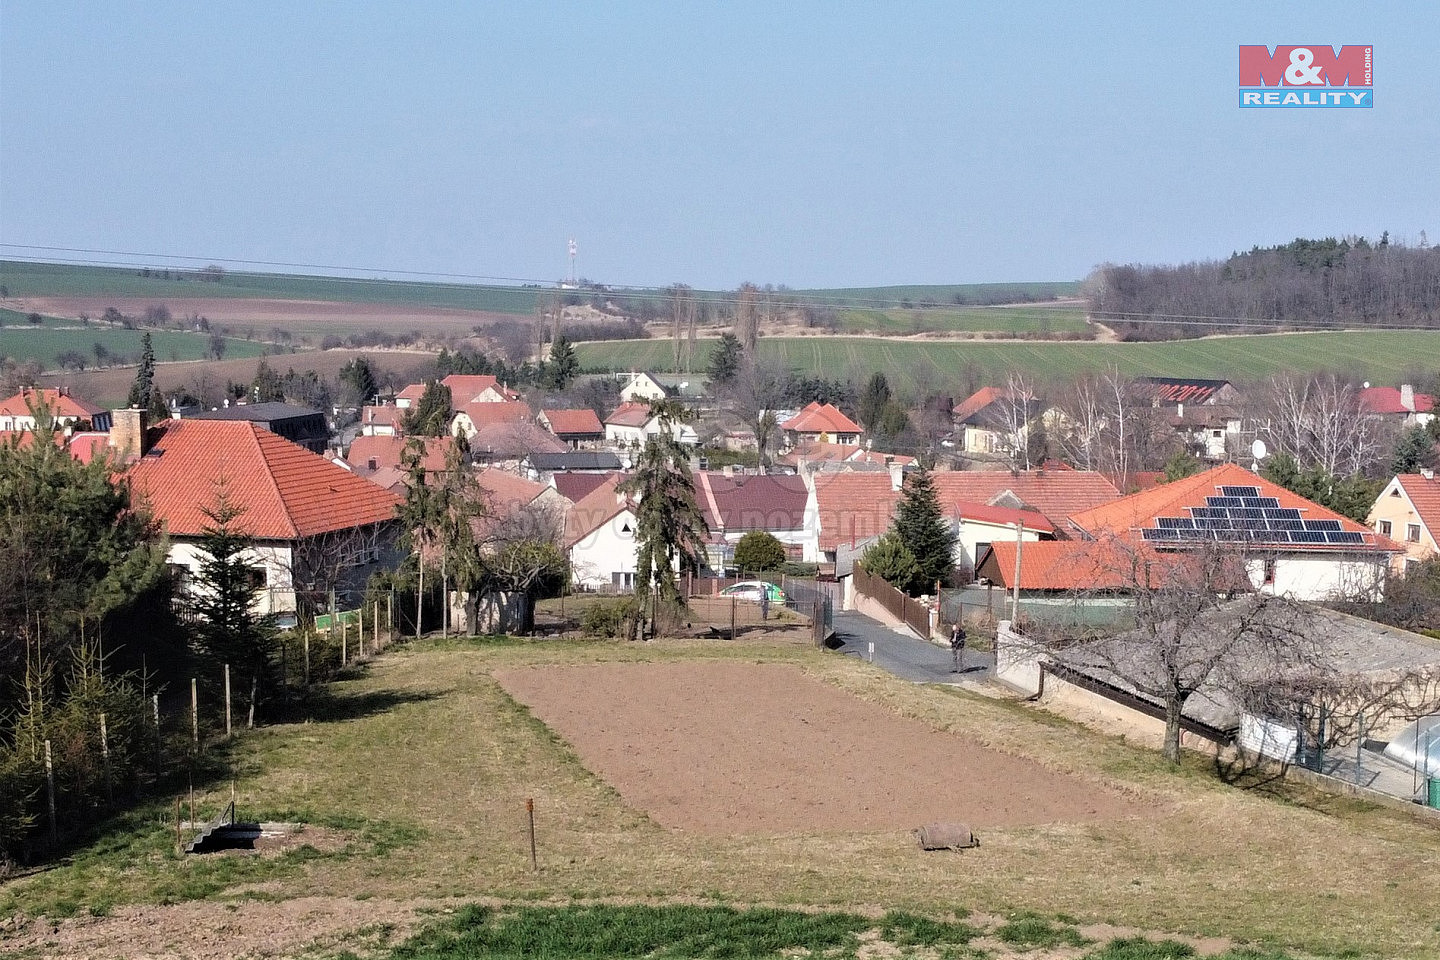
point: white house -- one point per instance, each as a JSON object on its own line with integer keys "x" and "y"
{"x": 16, "y": 411}
{"x": 600, "y": 539}
{"x": 642, "y": 388}
{"x": 631, "y": 424}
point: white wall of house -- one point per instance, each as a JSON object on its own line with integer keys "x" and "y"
{"x": 618, "y": 435}
{"x": 641, "y": 389}
{"x": 970, "y": 534}
{"x": 1317, "y": 577}
{"x": 276, "y": 595}
{"x": 604, "y": 552}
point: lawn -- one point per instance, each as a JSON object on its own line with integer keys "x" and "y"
{"x": 1383, "y": 356}
{"x": 425, "y": 764}
{"x": 45, "y": 344}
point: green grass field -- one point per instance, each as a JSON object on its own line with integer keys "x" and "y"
{"x": 15, "y": 318}
{"x": 1382, "y": 356}
{"x": 944, "y": 294}
{"x": 413, "y": 775}
{"x": 45, "y": 344}
{"x": 1017, "y": 320}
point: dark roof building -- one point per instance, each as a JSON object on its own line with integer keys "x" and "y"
{"x": 301, "y": 425}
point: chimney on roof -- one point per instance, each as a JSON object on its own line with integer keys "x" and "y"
{"x": 897, "y": 476}
{"x": 128, "y": 433}
{"x": 1427, "y": 473}
{"x": 1407, "y": 396}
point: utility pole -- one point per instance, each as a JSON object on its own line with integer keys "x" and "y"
{"x": 1015, "y": 588}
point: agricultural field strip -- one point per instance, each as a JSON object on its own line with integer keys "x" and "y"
{"x": 1385, "y": 356}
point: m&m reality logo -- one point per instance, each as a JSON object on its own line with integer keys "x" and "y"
{"x": 1314, "y": 75}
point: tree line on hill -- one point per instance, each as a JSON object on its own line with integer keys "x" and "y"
{"x": 1303, "y": 284}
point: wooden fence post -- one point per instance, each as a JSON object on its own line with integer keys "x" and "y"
{"x": 530, "y": 814}
{"x": 227, "y": 701}
{"x": 375, "y": 634}
{"x": 733, "y": 601}
{"x": 306, "y": 637}
{"x": 155, "y": 705}
{"x": 177, "y": 825}
{"x": 105, "y": 757}
{"x": 194, "y": 715}
{"x": 344, "y": 644}
{"x": 50, "y": 793}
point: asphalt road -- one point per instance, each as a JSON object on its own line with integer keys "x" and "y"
{"x": 906, "y": 657}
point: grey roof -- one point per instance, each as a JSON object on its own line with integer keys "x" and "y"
{"x": 575, "y": 460}
{"x": 1354, "y": 646}
{"x": 258, "y": 412}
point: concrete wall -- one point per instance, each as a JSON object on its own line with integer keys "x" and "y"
{"x": 1015, "y": 664}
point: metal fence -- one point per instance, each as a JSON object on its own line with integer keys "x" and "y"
{"x": 911, "y": 612}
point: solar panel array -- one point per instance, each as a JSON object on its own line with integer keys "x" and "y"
{"x": 1241, "y": 515}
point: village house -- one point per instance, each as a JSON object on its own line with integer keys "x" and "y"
{"x": 382, "y": 420}
{"x": 820, "y": 423}
{"x": 578, "y": 428}
{"x": 17, "y": 411}
{"x": 1180, "y": 392}
{"x": 314, "y": 527}
{"x": 1403, "y": 405}
{"x": 853, "y": 508}
{"x": 1287, "y": 545}
{"x": 600, "y": 539}
{"x": 991, "y": 423}
{"x": 1408, "y": 512}
{"x": 632, "y": 423}
{"x": 736, "y": 505}
{"x": 643, "y": 388}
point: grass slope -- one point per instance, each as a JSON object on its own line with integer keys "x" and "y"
{"x": 1041, "y": 320}
{"x": 1384, "y": 356}
{"x": 429, "y": 750}
{"x": 46, "y": 343}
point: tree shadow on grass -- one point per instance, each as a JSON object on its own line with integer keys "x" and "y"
{"x": 329, "y": 705}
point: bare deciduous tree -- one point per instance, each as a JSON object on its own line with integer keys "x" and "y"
{"x": 1318, "y": 421}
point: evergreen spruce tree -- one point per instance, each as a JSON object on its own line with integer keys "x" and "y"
{"x": 888, "y": 559}
{"x": 923, "y": 530}
{"x": 563, "y": 366}
{"x": 430, "y": 416}
{"x": 725, "y": 361}
{"x": 669, "y": 526}
{"x": 230, "y": 630}
{"x": 144, "y": 376}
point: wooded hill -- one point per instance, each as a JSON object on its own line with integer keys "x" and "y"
{"x": 1305, "y": 284}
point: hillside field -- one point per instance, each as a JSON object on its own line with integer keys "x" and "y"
{"x": 1381, "y": 356}
{"x": 413, "y": 776}
{"x": 46, "y": 343}
{"x": 1067, "y": 318}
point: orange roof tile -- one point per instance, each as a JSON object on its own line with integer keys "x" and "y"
{"x": 465, "y": 387}
{"x": 573, "y": 422}
{"x": 389, "y": 452}
{"x": 976, "y": 402}
{"x": 856, "y": 506}
{"x": 819, "y": 417}
{"x": 1128, "y": 515}
{"x": 386, "y": 414}
{"x": 1077, "y": 565}
{"x": 60, "y": 402}
{"x": 1424, "y": 493}
{"x": 287, "y": 492}
{"x": 632, "y": 413}
{"x": 487, "y": 413}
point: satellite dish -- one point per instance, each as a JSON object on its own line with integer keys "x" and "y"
{"x": 1258, "y": 449}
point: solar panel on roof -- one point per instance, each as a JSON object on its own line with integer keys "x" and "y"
{"x": 1224, "y": 501}
{"x": 1161, "y": 534}
{"x": 1322, "y": 525}
{"x": 1240, "y": 491}
{"x": 1343, "y": 536}
{"x": 1247, "y": 513}
{"x": 1307, "y": 536}
{"x": 1262, "y": 502}
{"x": 1282, "y": 513}
{"x": 1175, "y": 523}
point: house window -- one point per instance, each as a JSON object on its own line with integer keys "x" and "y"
{"x": 1385, "y": 527}
{"x": 1270, "y": 571}
{"x": 623, "y": 581}
{"x": 1412, "y": 532}
{"x": 255, "y": 577}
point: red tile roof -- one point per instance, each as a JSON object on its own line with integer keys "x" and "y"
{"x": 596, "y": 508}
{"x": 976, "y": 402}
{"x": 573, "y": 422}
{"x": 630, "y": 414}
{"x": 466, "y": 387}
{"x": 820, "y": 418}
{"x": 772, "y": 503}
{"x": 486, "y": 413}
{"x": 413, "y": 392}
{"x": 855, "y": 506}
{"x": 60, "y": 402}
{"x": 1386, "y": 400}
{"x": 84, "y": 447}
{"x": 384, "y": 414}
{"x": 287, "y": 492}
{"x": 577, "y": 486}
{"x": 1076, "y": 565}
{"x": 1128, "y": 515}
{"x": 1424, "y": 493}
{"x": 389, "y": 452}
{"x": 1006, "y": 516}
{"x": 512, "y": 441}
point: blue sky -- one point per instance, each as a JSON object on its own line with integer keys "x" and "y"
{"x": 807, "y": 144}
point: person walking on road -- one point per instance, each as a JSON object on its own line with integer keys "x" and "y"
{"x": 957, "y": 645}
{"x": 764, "y": 604}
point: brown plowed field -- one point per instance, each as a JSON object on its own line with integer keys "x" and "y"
{"x": 727, "y": 748}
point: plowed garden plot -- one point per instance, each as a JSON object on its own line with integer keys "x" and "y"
{"x": 725, "y": 748}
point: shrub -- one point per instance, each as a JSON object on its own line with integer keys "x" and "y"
{"x": 610, "y": 618}
{"x": 759, "y": 551}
